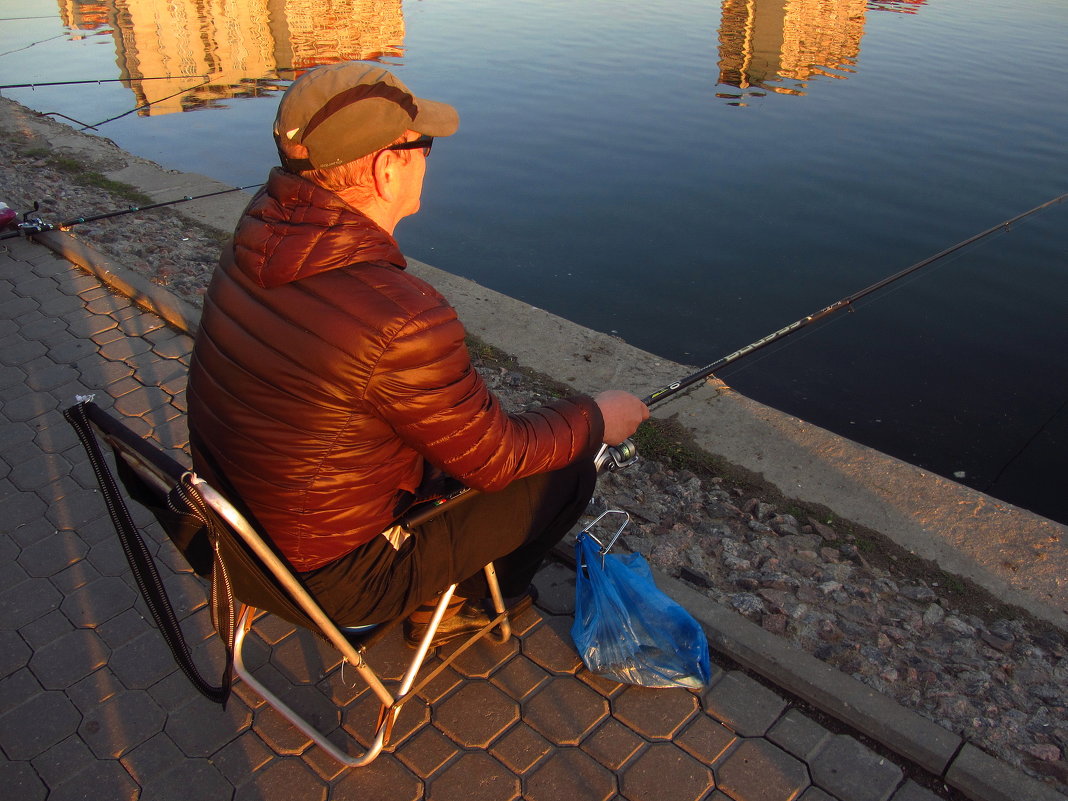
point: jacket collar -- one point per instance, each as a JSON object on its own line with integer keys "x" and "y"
{"x": 294, "y": 229}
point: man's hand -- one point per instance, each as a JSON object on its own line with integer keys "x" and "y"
{"x": 622, "y": 413}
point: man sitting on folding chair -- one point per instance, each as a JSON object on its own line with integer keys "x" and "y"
{"x": 330, "y": 390}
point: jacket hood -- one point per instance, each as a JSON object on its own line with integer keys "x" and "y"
{"x": 295, "y": 229}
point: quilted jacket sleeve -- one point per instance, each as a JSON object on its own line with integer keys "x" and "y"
{"x": 426, "y": 388}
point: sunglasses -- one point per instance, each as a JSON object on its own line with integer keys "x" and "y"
{"x": 423, "y": 143}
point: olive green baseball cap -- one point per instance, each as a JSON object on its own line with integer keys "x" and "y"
{"x": 341, "y": 112}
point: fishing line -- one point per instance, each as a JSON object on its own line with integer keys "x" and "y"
{"x": 1025, "y": 446}
{"x": 146, "y": 105}
{"x": 98, "y": 80}
{"x": 31, "y": 44}
{"x": 804, "y": 334}
{"x": 670, "y": 390}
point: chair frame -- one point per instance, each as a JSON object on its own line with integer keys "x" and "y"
{"x": 351, "y": 646}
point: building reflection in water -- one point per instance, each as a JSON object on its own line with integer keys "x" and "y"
{"x": 217, "y": 49}
{"x": 232, "y": 48}
{"x": 778, "y": 45}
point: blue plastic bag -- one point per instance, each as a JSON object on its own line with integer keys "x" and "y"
{"x": 627, "y": 629}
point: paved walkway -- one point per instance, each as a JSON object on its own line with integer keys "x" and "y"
{"x": 93, "y": 707}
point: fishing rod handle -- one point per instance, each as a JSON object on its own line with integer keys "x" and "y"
{"x": 609, "y": 457}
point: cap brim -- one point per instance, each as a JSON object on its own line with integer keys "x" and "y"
{"x": 435, "y": 118}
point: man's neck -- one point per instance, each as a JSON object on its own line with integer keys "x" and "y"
{"x": 380, "y": 213}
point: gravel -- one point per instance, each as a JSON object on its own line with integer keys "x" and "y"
{"x": 848, "y": 597}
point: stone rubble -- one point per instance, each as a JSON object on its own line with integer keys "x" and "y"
{"x": 999, "y": 681}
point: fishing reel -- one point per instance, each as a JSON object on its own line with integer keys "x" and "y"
{"x": 616, "y": 457}
{"x": 32, "y": 222}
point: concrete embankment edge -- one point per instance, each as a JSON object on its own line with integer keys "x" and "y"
{"x": 959, "y": 764}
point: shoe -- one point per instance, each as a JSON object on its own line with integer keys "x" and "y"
{"x": 473, "y": 615}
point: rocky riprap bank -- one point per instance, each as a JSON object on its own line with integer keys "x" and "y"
{"x": 855, "y": 601}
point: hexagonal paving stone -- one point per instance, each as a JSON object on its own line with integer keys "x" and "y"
{"x": 242, "y": 757}
{"x": 74, "y": 577}
{"x": 759, "y": 771}
{"x": 190, "y": 778}
{"x": 569, "y": 773}
{"x": 84, "y": 327}
{"x": 187, "y": 592}
{"x": 121, "y": 723}
{"x": 521, "y": 748}
{"x": 483, "y": 658}
{"x": 519, "y": 678}
{"x": 69, "y": 659}
{"x": 476, "y": 776}
{"x": 551, "y": 646}
{"x": 607, "y": 687}
{"x": 361, "y": 717}
{"x": 107, "y": 778}
{"x": 304, "y": 658}
{"x": 49, "y": 376}
{"x": 427, "y": 751}
{"x": 655, "y": 713}
{"x": 281, "y": 735}
{"x": 200, "y": 728}
{"x": 155, "y": 756}
{"x": 14, "y": 652}
{"x": 142, "y": 661}
{"x": 706, "y": 739}
{"x": 442, "y": 685}
{"x": 385, "y": 778}
{"x": 476, "y": 714}
{"x": 37, "y": 724}
{"x": 565, "y": 711}
{"x": 798, "y": 734}
{"x": 98, "y": 601}
{"x": 612, "y": 744}
{"x": 744, "y": 705}
{"x": 282, "y": 780}
{"x": 94, "y": 690}
{"x": 666, "y": 773}
{"x": 123, "y": 347}
{"x": 28, "y": 601}
{"x": 556, "y": 589}
{"x": 76, "y": 509}
{"x": 20, "y": 781}
{"x": 39, "y": 471}
{"x": 847, "y": 769}
{"x": 63, "y": 760}
{"x": 22, "y": 514}
{"x": 141, "y": 402}
{"x": 52, "y": 554}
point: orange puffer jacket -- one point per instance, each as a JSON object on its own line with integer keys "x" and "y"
{"x": 325, "y": 379}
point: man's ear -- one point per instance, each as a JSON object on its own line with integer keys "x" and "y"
{"x": 384, "y": 169}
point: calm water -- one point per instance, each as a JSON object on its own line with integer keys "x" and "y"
{"x": 688, "y": 175}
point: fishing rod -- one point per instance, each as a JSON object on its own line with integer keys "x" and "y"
{"x": 98, "y": 80}
{"x": 615, "y": 457}
{"x": 33, "y": 224}
{"x": 664, "y": 393}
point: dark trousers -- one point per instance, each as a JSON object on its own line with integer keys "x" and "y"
{"x": 514, "y": 528}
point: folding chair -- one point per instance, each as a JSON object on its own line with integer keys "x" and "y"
{"x": 245, "y": 569}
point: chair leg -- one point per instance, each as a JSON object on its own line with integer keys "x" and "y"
{"x": 504, "y": 630}
{"x": 289, "y": 714}
{"x": 390, "y": 708}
